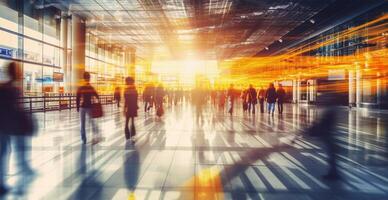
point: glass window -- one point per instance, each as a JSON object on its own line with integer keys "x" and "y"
{"x": 32, "y": 28}
{"x": 8, "y": 18}
{"x": 33, "y": 79}
{"x": 32, "y": 50}
{"x": 9, "y": 45}
{"x": 48, "y": 54}
{"x": 3, "y": 70}
{"x": 47, "y": 80}
{"x": 369, "y": 89}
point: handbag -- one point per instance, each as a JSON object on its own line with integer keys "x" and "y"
{"x": 160, "y": 112}
{"x": 96, "y": 111}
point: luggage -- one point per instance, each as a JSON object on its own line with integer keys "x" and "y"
{"x": 96, "y": 110}
{"x": 245, "y": 106}
{"x": 160, "y": 112}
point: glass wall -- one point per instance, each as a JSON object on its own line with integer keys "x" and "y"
{"x": 35, "y": 41}
{"x": 105, "y": 63}
{"x": 358, "y": 46}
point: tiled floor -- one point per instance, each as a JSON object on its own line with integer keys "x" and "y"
{"x": 179, "y": 157}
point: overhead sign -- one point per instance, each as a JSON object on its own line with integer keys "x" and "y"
{"x": 57, "y": 77}
{"x": 6, "y": 52}
{"x": 45, "y": 79}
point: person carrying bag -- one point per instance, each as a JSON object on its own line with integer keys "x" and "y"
{"x": 15, "y": 125}
{"x": 130, "y": 107}
{"x": 85, "y": 96}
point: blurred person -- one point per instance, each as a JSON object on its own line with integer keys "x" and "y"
{"x": 261, "y": 97}
{"x": 324, "y": 128}
{"x": 130, "y": 107}
{"x": 231, "y": 95}
{"x": 213, "y": 95}
{"x": 159, "y": 98}
{"x": 15, "y": 125}
{"x": 221, "y": 99}
{"x": 170, "y": 96}
{"x": 244, "y": 98}
{"x": 270, "y": 97}
{"x": 117, "y": 96}
{"x": 180, "y": 95}
{"x": 147, "y": 98}
{"x": 252, "y": 99}
{"x": 199, "y": 100}
{"x": 281, "y": 95}
{"x": 84, "y": 101}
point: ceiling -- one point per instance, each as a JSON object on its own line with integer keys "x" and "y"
{"x": 206, "y": 29}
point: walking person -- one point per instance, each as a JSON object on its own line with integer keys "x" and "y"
{"x": 231, "y": 94}
{"x": 325, "y": 129}
{"x": 261, "y": 97}
{"x": 221, "y": 100}
{"x": 86, "y": 94}
{"x": 159, "y": 98}
{"x": 15, "y": 125}
{"x": 130, "y": 107}
{"x": 117, "y": 96}
{"x": 270, "y": 97}
{"x": 281, "y": 95}
{"x": 147, "y": 98}
{"x": 244, "y": 100}
{"x": 252, "y": 99}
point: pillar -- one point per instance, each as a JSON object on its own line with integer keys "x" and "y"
{"x": 78, "y": 34}
{"x": 358, "y": 87}
{"x": 64, "y": 56}
{"x": 20, "y": 54}
{"x": 294, "y": 91}
{"x": 130, "y": 62}
{"x": 352, "y": 88}
{"x": 379, "y": 89}
{"x": 298, "y": 90}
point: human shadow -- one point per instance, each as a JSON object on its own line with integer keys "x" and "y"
{"x": 131, "y": 166}
{"x": 90, "y": 187}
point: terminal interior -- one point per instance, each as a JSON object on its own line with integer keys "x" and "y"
{"x": 197, "y": 50}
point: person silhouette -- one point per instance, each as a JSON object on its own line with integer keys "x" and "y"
{"x": 15, "y": 125}
{"x": 117, "y": 96}
{"x": 261, "y": 97}
{"x": 281, "y": 95}
{"x": 130, "y": 107}
{"x": 271, "y": 98}
{"x": 85, "y": 94}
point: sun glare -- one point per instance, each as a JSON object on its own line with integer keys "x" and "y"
{"x": 184, "y": 72}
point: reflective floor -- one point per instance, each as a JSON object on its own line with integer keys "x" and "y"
{"x": 190, "y": 156}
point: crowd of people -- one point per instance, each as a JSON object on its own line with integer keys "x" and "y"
{"x": 17, "y": 126}
{"x": 250, "y": 97}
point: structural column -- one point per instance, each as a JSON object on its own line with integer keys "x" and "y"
{"x": 298, "y": 90}
{"x": 65, "y": 58}
{"x": 294, "y": 91}
{"x": 358, "y": 87}
{"x": 130, "y": 62}
{"x": 352, "y": 88}
{"x": 78, "y": 51}
{"x": 379, "y": 89}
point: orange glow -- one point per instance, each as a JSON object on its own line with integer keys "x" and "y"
{"x": 294, "y": 64}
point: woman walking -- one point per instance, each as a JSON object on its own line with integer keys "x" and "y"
{"x": 130, "y": 107}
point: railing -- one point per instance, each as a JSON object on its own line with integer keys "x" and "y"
{"x": 59, "y": 102}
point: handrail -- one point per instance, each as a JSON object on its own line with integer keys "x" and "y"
{"x": 59, "y": 102}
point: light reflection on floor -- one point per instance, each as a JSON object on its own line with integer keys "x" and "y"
{"x": 180, "y": 157}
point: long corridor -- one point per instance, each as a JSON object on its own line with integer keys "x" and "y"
{"x": 181, "y": 156}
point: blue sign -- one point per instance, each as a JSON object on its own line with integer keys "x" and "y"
{"x": 45, "y": 79}
{"x": 6, "y": 52}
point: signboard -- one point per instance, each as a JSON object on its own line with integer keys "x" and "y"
{"x": 336, "y": 75}
{"x": 45, "y": 79}
{"x": 57, "y": 77}
{"x": 6, "y": 52}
